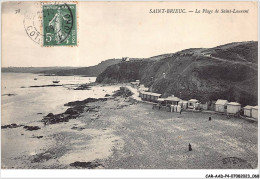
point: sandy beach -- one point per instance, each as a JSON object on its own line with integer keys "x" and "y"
{"x": 122, "y": 133}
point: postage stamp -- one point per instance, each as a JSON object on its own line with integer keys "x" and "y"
{"x": 59, "y": 25}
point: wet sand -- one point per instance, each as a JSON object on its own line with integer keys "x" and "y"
{"x": 123, "y": 133}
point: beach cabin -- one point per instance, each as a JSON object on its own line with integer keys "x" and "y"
{"x": 135, "y": 84}
{"x": 233, "y": 107}
{"x": 172, "y": 100}
{"x": 161, "y": 101}
{"x": 143, "y": 96}
{"x": 149, "y": 96}
{"x": 155, "y": 96}
{"x": 192, "y": 103}
{"x": 255, "y": 112}
{"x": 248, "y": 111}
{"x": 146, "y": 96}
{"x": 161, "y": 105}
{"x": 141, "y": 90}
{"x": 221, "y": 105}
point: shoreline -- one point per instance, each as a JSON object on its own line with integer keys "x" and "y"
{"x": 120, "y": 132}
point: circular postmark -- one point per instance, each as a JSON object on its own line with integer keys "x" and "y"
{"x": 33, "y": 24}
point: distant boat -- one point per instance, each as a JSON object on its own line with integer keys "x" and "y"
{"x": 56, "y": 81}
{"x": 35, "y": 78}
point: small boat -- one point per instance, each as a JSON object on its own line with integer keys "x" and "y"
{"x": 35, "y": 78}
{"x": 55, "y": 81}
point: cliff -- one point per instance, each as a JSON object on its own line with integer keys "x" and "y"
{"x": 226, "y": 72}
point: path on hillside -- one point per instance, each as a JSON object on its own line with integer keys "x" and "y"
{"x": 248, "y": 64}
{"x": 189, "y": 65}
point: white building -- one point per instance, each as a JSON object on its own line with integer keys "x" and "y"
{"x": 125, "y": 59}
{"x": 221, "y": 105}
{"x": 248, "y": 111}
{"x": 192, "y": 103}
{"x": 233, "y": 107}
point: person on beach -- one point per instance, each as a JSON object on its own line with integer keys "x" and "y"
{"x": 180, "y": 111}
{"x": 190, "y": 149}
{"x": 209, "y": 118}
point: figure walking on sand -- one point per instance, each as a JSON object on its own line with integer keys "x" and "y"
{"x": 190, "y": 149}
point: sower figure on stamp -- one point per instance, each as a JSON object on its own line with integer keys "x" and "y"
{"x": 57, "y": 23}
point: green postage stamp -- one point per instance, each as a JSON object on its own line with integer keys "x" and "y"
{"x": 59, "y": 25}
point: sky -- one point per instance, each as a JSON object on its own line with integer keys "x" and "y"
{"x": 126, "y": 29}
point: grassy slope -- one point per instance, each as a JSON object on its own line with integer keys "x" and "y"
{"x": 230, "y": 73}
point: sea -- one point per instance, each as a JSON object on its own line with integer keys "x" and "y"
{"x": 23, "y": 104}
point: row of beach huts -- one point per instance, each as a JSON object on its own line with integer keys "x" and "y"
{"x": 175, "y": 104}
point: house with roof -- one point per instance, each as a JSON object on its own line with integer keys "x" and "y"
{"x": 248, "y": 111}
{"x": 155, "y": 97}
{"x": 135, "y": 84}
{"x": 148, "y": 96}
{"x": 233, "y": 107}
{"x": 221, "y": 105}
{"x": 193, "y": 103}
{"x": 125, "y": 59}
{"x": 172, "y": 100}
{"x": 141, "y": 90}
{"x": 143, "y": 95}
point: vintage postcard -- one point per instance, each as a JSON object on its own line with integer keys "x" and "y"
{"x": 130, "y": 85}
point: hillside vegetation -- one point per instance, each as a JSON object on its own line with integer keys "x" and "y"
{"x": 224, "y": 72}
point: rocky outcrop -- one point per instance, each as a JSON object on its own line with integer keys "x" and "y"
{"x": 31, "y": 128}
{"x": 14, "y": 125}
{"x": 76, "y": 108}
{"x": 88, "y": 165}
{"x": 11, "y": 126}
